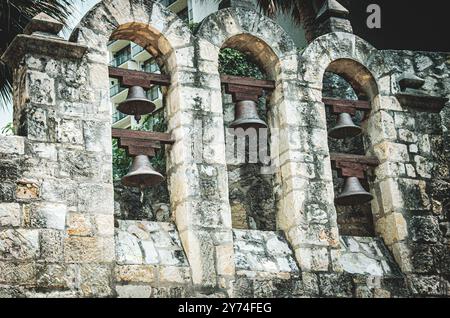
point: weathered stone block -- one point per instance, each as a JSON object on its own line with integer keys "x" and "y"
{"x": 135, "y": 273}
{"x": 335, "y": 285}
{"x": 17, "y": 274}
{"x": 393, "y": 228}
{"x": 19, "y": 245}
{"x": 27, "y": 191}
{"x": 392, "y": 151}
{"x": 9, "y": 170}
{"x": 41, "y": 88}
{"x": 172, "y": 274}
{"x": 426, "y": 285}
{"x": 10, "y": 214}
{"x": 79, "y": 224}
{"x": 88, "y": 249}
{"x": 425, "y": 229}
{"x": 68, "y": 131}
{"x": 57, "y": 276}
{"x": 12, "y": 145}
{"x": 51, "y": 246}
{"x": 96, "y": 198}
{"x": 97, "y": 136}
{"x": 95, "y": 280}
{"x": 128, "y": 250}
{"x": 7, "y": 191}
{"x": 133, "y": 291}
{"x": 49, "y": 215}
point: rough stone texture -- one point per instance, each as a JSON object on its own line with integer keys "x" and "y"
{"x": 260, "y": 251}
{"x": 57, "y": 234}
{"x": 367, "y": 255}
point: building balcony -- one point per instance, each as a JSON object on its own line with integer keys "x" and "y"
{"x": 116, "y": 89}
{"x": 135, "y": 50}
{"x": 120, "y": 59}
{"x": 118, "y": 116}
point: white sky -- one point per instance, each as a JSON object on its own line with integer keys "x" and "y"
{"x": 81, "y": 7}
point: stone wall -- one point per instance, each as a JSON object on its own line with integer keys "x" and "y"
{"x": 57, "y": 231}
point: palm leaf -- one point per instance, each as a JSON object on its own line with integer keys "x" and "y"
{"x": 14, "y": 16}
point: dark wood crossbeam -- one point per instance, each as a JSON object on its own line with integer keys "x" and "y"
{"x": 142, "y": 135}
{"x": 352, "y": 165}
{"x": 346, "y": 106}
{"x": 146, "y": 80}
{"x": 365, "y": 160}
{"x": 247, "y": 81}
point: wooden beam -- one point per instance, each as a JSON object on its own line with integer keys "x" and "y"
{"x": 143, "y": 135}
{"x": 146, "y": 80}
{"x": 346, "y": 103}
{"x": 370, "y": 161}
{"x": 247, "y": 81}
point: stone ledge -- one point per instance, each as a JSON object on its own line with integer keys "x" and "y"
{"x": 24, "y": 44}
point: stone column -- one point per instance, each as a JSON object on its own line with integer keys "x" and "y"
{"x": 65, "y": 187}
{"x": 332, "y": 17}
{"x": 198, "y": 177}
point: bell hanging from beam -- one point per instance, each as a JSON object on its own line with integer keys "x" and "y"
{"x": 136, "y": 104}
{"x": 353, "y": 193}
{"x": 142, "y": 175}
{"x": 246, "y": 116}
{"x": 345, "y": 128}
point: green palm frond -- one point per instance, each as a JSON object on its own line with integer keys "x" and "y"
{"x": 14, "y": 16}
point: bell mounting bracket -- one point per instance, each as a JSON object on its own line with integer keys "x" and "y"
{"x": 129, "y": 78}
{"x": 137, "y": 143}
{"x": 245, "y": 88}
{"x": 353, "y": 165}
{"x": 339, "y": 106}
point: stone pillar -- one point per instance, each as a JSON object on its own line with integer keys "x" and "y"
{"x": 332, "y": 17}
{"x": 65, "y": 187}
{"x": 198, "y": 177}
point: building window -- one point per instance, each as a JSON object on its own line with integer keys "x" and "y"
{"x": 135, "y": 50}
{"x": 122, "y": 56}
{"x": 116, "y": 89}
{"x": 150, "y": 66}
{"x": 153, "y": 93}
{"x": 117, "y": 116}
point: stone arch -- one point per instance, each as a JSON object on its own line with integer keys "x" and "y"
{"x": 148, "y": 24}
{"x": 354, "y": 59}
{"x": 260, "y": 38}
{"x": 169, "y": 39}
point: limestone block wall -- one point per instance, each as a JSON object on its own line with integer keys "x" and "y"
{"x": 58, "y": 235}
{"x": 57, "y": 225}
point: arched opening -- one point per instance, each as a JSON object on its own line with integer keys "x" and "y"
{"x": 346, "y": 80}
{"x": 251, "y": 184}
{"x": 136, "y": 51}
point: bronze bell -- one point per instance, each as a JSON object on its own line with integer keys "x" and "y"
{"x": 142, "y": 174}
{"x": 136, "y": 104}
{"x": 353, "y": 194}
{"x": 246, "y": 116}
{"x": 344, "y": 128}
